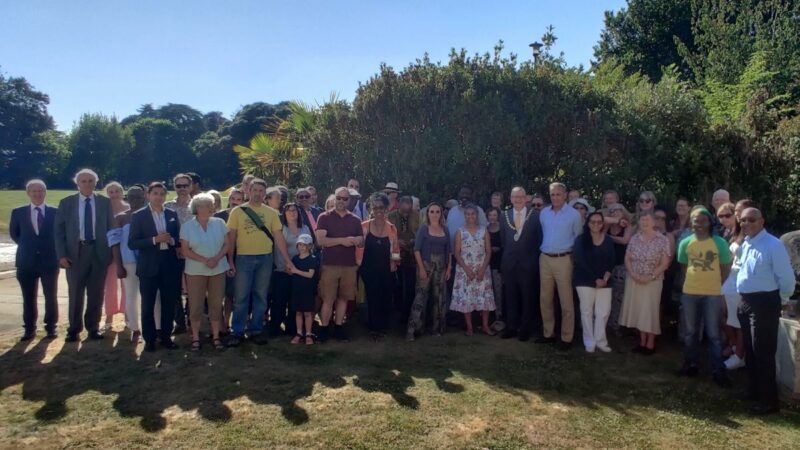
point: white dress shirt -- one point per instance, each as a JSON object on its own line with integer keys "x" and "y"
{"x": 161, "y": 227}
{"x": 34, "y": 215}
{"x": 81, "y": 208}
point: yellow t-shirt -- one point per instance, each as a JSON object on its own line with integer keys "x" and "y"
{"x": 703, "y": 260}
{"x": 251, "y": 240}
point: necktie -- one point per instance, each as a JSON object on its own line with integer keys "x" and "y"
{"x": 88, "y": 226}
{"x": 518, "y": 220}
{"x": 39, "y": 220}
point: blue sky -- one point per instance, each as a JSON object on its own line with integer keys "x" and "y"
{"x": 113, "y": 56}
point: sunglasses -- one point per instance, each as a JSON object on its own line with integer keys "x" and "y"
{"x": 181, "y": 186}
{"x": 645, "y": 200}
{"x": 343, "y": 199}
{"x": 724, "y": 216}
{"x": 303, "y": 197}
{"x": 537, "y": 205}
{"x": 748, "y": 220}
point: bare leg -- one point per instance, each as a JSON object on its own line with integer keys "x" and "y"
{"x": 468, "y": 320}
{"x": 341, "y": 311}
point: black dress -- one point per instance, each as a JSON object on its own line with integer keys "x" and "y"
{"x": 304, "y": 289}
{"x": 376, "y": 272}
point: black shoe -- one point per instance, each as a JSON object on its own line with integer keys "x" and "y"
{"x": 508, "y": 334}
{"x": 150, "y": 347}
{"x": 179, "y": 328}
{"x": 71, "y": 337}
{"x": 51, "y": 334}
{"x": 639, "y": 349}
{"x": 95, "y": 336}
{"x": 524, "y": 336}
{"x": 687, "y": 371}
{"x": 763, "y": 410}
{"x": 169, "y": 345}
{"x": 340, "y": 334}
{"x": 27, "y": 336}
{"x": 323, "y": 334}
{"x": 545, "y": 340}
{"x": 234, "y": 341}
{"x": 259, "y": 339}
{"x": 722, "y": 380}
{"x": 563, "y": 346}
{"x": 648, "y": 351}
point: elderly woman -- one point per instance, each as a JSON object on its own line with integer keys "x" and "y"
{"x": 646, "y": 259}
{"x": 204, "y": 246}
{"x": 582, "y": 206}
{"x": 114, "y": 296}
{"x": 293, "y": 227}
{"x": 377, "y": 261}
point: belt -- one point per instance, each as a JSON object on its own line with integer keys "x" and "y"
{"x": 88, "y": 242}
{"x": 557, "y": 255}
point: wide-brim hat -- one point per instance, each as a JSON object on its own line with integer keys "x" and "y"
{"x": 391, "y": 187}
{"x": 583, "y": 202}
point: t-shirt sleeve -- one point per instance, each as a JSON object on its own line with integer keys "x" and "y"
{"x": 233, "y": 219}
{"x": 322, "y": 222}
{"x": 275, "y": 224}
{"x": 724, "y": 251}
{"x": 683, "y": 258}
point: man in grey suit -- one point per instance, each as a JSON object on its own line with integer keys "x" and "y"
{"x": 82, "y": 221}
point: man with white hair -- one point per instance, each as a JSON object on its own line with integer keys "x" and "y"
{"x": 82, "y": 222}
{"x": 719, "y": 198}
{"x": 31, "y": 228}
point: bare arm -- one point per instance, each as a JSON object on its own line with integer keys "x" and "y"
{"x": 324, "y": 241}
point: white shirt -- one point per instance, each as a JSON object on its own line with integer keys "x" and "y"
{"x": 161, "y": 227}
{"x": 81, "y": 209}
{"x": 34, "y": 215}
{"x": 206, "y": 243}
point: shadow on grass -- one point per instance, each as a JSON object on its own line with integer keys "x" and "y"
{"x": 283, "y": 375}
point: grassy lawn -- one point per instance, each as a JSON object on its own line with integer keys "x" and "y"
{"x": 448, "y": 392}
{"x": 11, "y": 199}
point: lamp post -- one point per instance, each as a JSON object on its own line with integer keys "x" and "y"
{"x": 537, "y": 50}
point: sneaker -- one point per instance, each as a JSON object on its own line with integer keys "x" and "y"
{"x": 734, "y": 362}
{"x": 589, "y": 349}
{"x": 604, "y": 348}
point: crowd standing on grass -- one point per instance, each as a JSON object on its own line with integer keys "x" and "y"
{"x": 268, "y": 265}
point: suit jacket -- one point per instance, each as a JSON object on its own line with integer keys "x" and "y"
{"x": 34, "y": 252}
{"x": 143, "y": 230}
{"x": 524, "y": 251}
{"x": 68, "y": 228}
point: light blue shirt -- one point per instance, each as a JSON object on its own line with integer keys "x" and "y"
{"x": 765, "y": 266}
{"x": 456, "y": 221}
{"x": 119, "y": 236}
{"x": 560, "y": 229}
{"x": 206, "y": 243}
{"x": 81, "y": 209}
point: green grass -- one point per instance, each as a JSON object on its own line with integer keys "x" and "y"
{"x": 449, "y": 392}
{"x": 11, "y": 199}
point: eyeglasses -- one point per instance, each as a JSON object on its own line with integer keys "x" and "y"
{"x": 181, "y": 186}
{"x": 537, "y": 205}
{"x": 645, "y": 200}
{"x": 303, "y": 197}
{"x": 748, "y": 220}
{"x": 343, "y": 199}
{"x": 595, "y": 222}
{"x": 724, "y": 216}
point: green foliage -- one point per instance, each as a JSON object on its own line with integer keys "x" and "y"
{"x": 99, "y": 142}
{"x": 158, "y": 152}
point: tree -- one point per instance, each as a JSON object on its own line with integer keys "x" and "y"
{"x": 23, "y": 114}
{"x": 646, "y": 36}
{"x": 158, "y": 153}
{"x": 42, "y": 155}
{"x": 99, "y": 142}
{"x": 216, "y": 160}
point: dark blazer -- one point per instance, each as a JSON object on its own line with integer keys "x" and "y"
{"x": 143, "y": 230}
{"x": 68, "y": 228}
{"x": 34, "y": 252}
{"x": 525, "y": 251}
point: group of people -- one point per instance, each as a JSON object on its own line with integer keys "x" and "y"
{"x": 264, "y": 266}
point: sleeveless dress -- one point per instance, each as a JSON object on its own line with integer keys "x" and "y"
{"x": 475, "y": 295}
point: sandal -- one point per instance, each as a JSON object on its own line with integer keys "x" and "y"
{"x": 310, "y": 339}
{"x": 489, "y": 332}
{"x": 195, "y": 346}
{"x": 296, "y": 339}
{"x": 218, "y": 345}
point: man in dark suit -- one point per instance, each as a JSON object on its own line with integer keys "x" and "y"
{"x": 82, "y": 221}
{"x": 31, "y": 228}
{"x": 310, "y": 212}
{"x": 155, "y": 234}
{"x": 521, "y": 235}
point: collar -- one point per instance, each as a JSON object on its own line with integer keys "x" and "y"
{"x": 757, "y": 237}
{"x": 84, "y": 198}
{"x": 43, "y": 206}
{"x": 153, "y": 211}
{"x": 523, "y": 210}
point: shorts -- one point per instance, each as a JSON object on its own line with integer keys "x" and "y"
{"x": 338, "y": 282}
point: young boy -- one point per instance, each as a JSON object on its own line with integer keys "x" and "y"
{"x": 304, "y": 288}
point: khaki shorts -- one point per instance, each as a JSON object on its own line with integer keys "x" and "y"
{"x": 338, "y": 282}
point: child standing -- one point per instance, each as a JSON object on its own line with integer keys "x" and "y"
{"x": 304, "y": 288}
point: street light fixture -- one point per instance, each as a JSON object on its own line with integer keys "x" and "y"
{"x": 537, "y": 50}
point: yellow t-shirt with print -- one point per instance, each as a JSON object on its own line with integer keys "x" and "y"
{"x": 703, "y": 260}
{"x": 251, "y": 240}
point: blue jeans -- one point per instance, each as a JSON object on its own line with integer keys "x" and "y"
{"x": 707, "y": 308}
{"x": 253, "y": 273}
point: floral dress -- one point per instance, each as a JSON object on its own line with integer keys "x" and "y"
{"x": 475, "y": 295}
